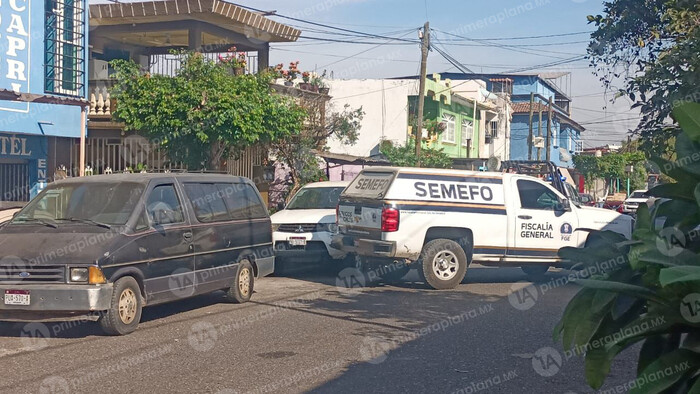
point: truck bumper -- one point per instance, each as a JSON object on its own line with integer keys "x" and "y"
{"x": 364, "y": 247}
{"x": 49, "y": 302}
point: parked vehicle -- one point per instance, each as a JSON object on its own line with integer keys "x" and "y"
{"x": 439, "y": 221}
{"x": 635, "y": 198}
{"x": 302, "y": 231}
{"x": 106, "y": 246}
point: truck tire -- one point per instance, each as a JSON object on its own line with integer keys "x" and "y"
{"x": 243, "y": 283}
{"x": 443, "y": 264}
{"x": 124, "y": 313}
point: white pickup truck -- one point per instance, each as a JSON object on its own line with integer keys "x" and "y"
{"x": 439, "y": 221}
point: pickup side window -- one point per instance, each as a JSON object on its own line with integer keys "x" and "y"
{"x": 163, "y": 206}
{"x": 534, "y": 195}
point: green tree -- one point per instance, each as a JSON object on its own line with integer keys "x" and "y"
{"x": 405, "y": 155}
{"x": 645, "y": 290}
{"x": 202, "y": 114}
{"x": 298, "y": 152}
{"x": 654, "y": 47}
{"x": 612, "y": 166}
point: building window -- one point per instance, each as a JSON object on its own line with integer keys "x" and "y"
{"x": 64, "y": 62}
{"x": 579, "y": 146}
{"x": 467, "y": 132}
{"x": 493, "y": 125}
{"x": 449, "y": 134}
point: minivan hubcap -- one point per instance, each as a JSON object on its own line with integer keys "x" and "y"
{"x": 445, "y": 265}
{"x": 244, "y": 281}
{"x": 127, "y": 306}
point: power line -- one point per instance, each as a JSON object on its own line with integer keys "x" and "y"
{"x": 536, "y": 37}
{"x": 326, "y": 26}
{"x": 356, "y": 54}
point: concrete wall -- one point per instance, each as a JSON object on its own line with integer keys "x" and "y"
{"x": 385, "y": 103}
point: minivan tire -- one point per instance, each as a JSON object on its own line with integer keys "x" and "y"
{"x": 243, "y": 283}
{"x": 126, "y": 306}
{"x": 443, "y": 264}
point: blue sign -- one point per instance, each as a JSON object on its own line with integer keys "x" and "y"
{"x": 15, "y": 30}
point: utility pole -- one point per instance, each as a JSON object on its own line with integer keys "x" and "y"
{"x": 529, "y": 134}
{"x": 425, "y": 47}
{"x": 549, "y": 130}
{"x": 539, "y": 129}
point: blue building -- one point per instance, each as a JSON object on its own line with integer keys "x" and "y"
{"x": 565, "y": 133}
{"x": 43, "y": 80}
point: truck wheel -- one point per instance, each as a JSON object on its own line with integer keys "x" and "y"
{"x": 536, "y": 272}
{"x": 243, "y": 284}
{"x": 443, "y": 264}
{"x": 124, "y": 313}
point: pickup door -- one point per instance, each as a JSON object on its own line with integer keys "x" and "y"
{"x": 541, "y": 224}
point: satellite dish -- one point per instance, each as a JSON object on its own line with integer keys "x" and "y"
{"x": 493, "y": 164}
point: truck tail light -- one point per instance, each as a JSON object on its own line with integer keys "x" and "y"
{"x": 390, "y": 219}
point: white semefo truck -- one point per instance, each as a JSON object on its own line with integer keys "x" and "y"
{"x": 439, "y": 221}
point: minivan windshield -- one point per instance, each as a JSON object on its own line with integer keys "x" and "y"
{"x": 316, "y": 198}
{"x": 638, "y": 195}
{"x": 92, "y": 202}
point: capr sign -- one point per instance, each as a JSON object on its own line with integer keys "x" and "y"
{"x": 14, "y": 45}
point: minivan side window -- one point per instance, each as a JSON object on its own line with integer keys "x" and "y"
{"x": 208, "y": 202}
{"x": 163, "y": 206}
{"x": 534, "y": 195}
{"x": 242, "y": 201}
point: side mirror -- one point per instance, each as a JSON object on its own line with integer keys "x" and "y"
{"x": 566, "y": 205}
{"x": 14, "y": 215}
{"x": 280, "y": 206}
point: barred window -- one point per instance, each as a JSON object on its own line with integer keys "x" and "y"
{"x": 64, "y": 45}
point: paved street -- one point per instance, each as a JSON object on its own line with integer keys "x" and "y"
{"x": 305, "y": 334}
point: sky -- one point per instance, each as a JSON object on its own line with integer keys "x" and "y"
{"x": 500, "y": 22}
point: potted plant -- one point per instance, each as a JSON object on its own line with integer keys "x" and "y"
{"x": 306, "y": 78}
{"x": 235, "y": 60}
{"x": 292, "y": 72}
{"x": 317, "y": 81}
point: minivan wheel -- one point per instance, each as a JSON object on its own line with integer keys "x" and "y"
{"x": 443, "y": 264}
{"x": 243, "y": 283}
{"x": 124, "y": 313}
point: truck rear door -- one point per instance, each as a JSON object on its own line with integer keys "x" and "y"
{"x": 360, "y": 206}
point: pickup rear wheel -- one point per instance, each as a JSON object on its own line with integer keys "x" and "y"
{"x": 443, "y": 264}
{"x": 124, "y": 313}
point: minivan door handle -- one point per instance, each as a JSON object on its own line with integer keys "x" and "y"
{"x": 525, "y": 217}
{"x": 187, "y": 236}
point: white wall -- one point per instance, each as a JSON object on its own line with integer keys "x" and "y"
{"x": 385, "y": 103}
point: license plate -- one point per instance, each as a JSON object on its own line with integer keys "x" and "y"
{"x": 17, "y": 297}
{"x": 297, "y": 241}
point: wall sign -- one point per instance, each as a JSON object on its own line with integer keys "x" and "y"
{"x": 15, "y": 30}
